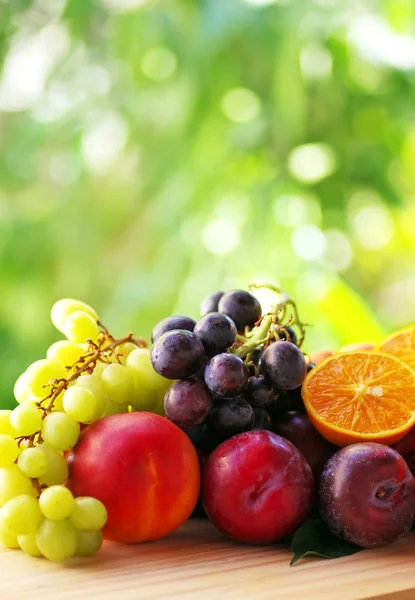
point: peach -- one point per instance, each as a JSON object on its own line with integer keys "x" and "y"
{"x": 143, "y": 468}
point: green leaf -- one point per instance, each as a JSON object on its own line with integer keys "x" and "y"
{"x": 314, "y": 538}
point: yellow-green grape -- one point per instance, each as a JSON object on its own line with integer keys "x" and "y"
{"x": 60, "y": 431}
{"x": 56, "y": 502}
{"x": 5, "y": 425}
{"x": 65, "y": 352}
{"x": 118, "y": 383}
{"x": 148, "y": 383}
{"x": 99, "y": 367}
{"x": 94, "y": 385}
{"x": 57, "y": 471}
{"x": 33, "y": 462}
{"x": 112, "y": 408}
{"x": 7, "y": 537}
{"x": 139, "y": 361}
{"x": 28, "y": 544}
{"x": 9, "y": 450}
{"x": 57, "y": 540}
{"x": 159, "y": 407}
{"x": 89, "y": 542}
{"x": 41, "y": 373}
{"x": 65, "y": 307}
{"x": 88, "y": 513}
{"x": 13, "y": 483}
{"x": 80, "y": 326}
{"x": 21, "y": 514}
{"x": 58, "y": 403}
{"x": 80, "y": 404}
{"x": 21, "y": 388}
{"x": 26, "y": 419}
{"x": 124, "y": 350}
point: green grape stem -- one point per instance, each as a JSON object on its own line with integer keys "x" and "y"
{"x": 270, "y": 325}
{"x": 99, "y": 352}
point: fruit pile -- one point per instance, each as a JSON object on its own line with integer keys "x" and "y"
{"x": 83, "y": 378}
{"x": 268, "y": 424}
{"x": 226, "y": 418}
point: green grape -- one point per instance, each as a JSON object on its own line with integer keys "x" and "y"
{"x": 80, "y": 326}
{"x": 65, "y": 352}
{"x": 118, "y": 383}
{"x": 33, "y": 462}
{"x": 5, "y": 425}
{"x": 139, "y": 360}
{"x": 57, "y": 540}
{"x": 21, "y": 514}
{"x": 88, "y": 513}
{"x": 99, "y": 367}
{"x": 89, "y": 542}
{"x": 112, "y": 408}
{"x": 124, "y": 350}
{"x": 60, "y": 431}
{"x": 80, "y": 404}
{"x": 56, "y": 502}
{"x": 9, "y": 450}
{"x": 57, "y": 471}
{"x": 26, "y": 419}
{"x": 94, "y": 385}
{"x": 21, "y": 388}
{"x": 65, "y": 307}
{"x": 7, "y": 537}
{"x": 58, "y": 403}
{"x": 13, "y": 483}
{"x": 159, "y": 406}
{"x": 41, "y": 373}
{"x": 28, "y": 544}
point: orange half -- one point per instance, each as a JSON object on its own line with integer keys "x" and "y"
{"x": 402, "y": 345}
{"x": 362, "y": 396}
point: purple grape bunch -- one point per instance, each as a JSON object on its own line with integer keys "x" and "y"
{"x": 233, "y": 370}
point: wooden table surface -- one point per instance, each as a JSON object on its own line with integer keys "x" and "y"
{"x": 197, "y": 562}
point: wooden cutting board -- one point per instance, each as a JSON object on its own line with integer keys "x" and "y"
{"x": 197, "y": 562}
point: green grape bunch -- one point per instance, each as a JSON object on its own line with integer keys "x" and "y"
{"x": 83, "y": 378}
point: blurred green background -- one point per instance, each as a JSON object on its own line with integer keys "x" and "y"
{"x": 152, "y": 152}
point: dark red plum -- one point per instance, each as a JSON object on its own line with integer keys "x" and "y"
{"x": 297, "y": 427}
{"x": 257, "y": 487}
{"x": 406, "y": 448}
{"x": 367, "y": 495}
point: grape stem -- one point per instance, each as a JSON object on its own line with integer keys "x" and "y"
{"x": 98, "y": 353}
{"x": 270, "y": 325}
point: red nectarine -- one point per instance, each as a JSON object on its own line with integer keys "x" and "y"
{"x": 143, "y": 468}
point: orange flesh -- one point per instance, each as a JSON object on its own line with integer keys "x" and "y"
{"x": 361, "y": 396}
{"x": 401, "y": 345}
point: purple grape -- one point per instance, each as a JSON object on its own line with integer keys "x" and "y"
{"x": 258, "y": 392}
{"x": 288, "y": 334}
{"x": 242, "y": 307}
{"x": 226, "y": 375}
{"x": 217, "y": 332}
{"x": 231, "y": 416}
{"x": 210, "y": 303}
{"x": 177, "y": 354}
{"x": 284, "y": 365}
{"x": 188, "y": 402}
{"x": 170, "y": 323}
{"x": 262, "y": 419}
